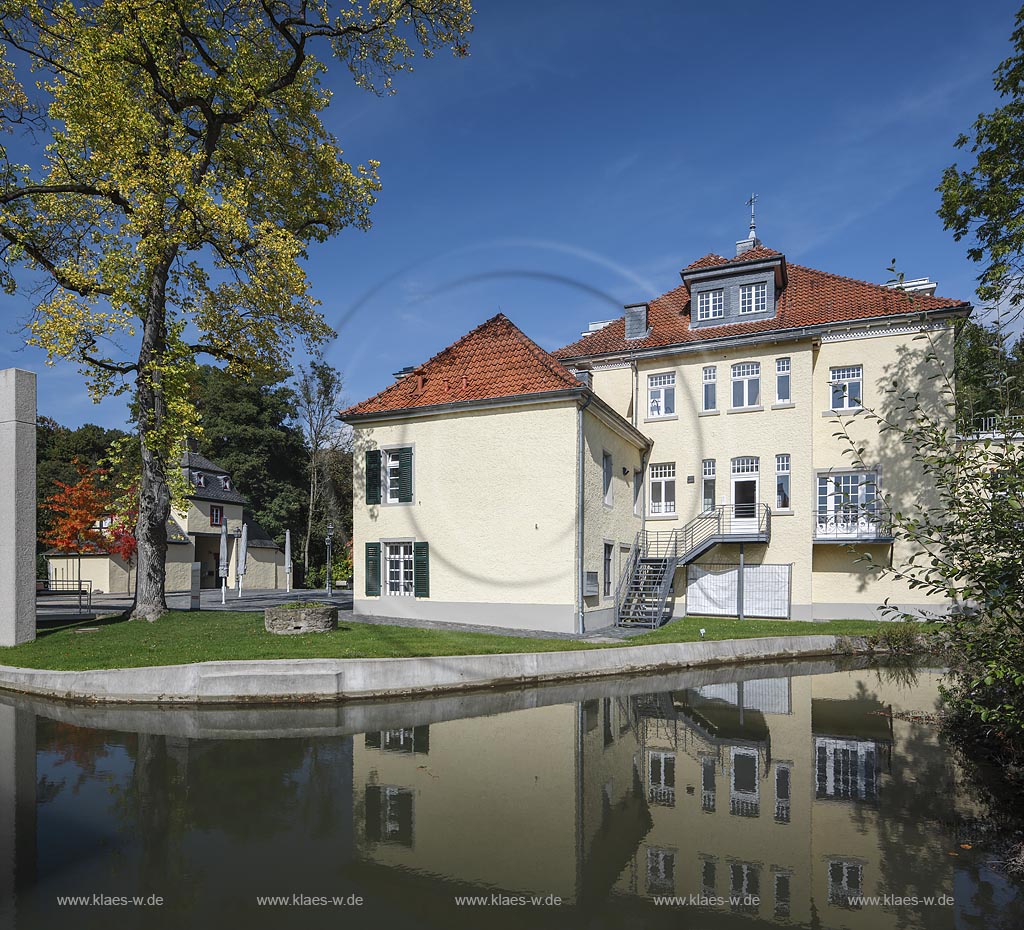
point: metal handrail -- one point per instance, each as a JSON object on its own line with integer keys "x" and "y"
{"x": 627, "y": 574}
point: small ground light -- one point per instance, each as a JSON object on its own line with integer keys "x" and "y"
{"x": 702, "y": 632}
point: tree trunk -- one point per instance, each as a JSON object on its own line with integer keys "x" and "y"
{"x": 309, "y": 517}
{"x": 154, "y": 492}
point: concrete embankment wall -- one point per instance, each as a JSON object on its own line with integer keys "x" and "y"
{"x": 303, "y": 680}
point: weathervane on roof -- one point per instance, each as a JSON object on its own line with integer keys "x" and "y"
{"x": 753, "y": 225}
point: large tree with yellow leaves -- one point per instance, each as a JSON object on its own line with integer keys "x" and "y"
{"x": 185, "y": 173}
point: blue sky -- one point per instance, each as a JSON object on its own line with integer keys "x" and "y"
{"x": 587, "y": 151}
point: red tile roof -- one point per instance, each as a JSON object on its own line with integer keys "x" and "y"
{"x": 494, "y": 360}
{"x": 810, "y": 298}
{"x": 711, "y": 260}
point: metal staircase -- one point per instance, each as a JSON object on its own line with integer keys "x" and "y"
{"x": 645, "y": 587}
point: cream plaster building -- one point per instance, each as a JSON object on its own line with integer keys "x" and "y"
{"x": 193, "y": 535}
{"x": 682, "y": 459}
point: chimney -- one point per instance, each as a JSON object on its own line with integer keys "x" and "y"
{"x": 636, "y": 321}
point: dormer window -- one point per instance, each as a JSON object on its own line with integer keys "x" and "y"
{"x": 225, "y": 483}
{"x": 710, "y": 304}
{"x": 200, "y": 479}
{"x": 754, "y": 297}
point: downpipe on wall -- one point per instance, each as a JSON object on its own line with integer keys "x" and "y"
{"x": 580, "y": 498}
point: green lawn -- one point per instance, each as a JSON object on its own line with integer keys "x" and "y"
{"x": 183, "y": 637}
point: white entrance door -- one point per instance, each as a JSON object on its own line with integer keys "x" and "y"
{"x": 745, "y": 481}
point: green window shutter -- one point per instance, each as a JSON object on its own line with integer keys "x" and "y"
{"x": 373, "y": 477}
{"x": 372, "y": 569}
{"x": 421, "y": 569}
{"x": 404, "y": 476}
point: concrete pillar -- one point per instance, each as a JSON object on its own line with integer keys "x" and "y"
{"x": 17, "y": 807}
{"x": 17, "y": 506}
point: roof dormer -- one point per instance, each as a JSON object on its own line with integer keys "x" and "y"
{"x": 743, "y": 289}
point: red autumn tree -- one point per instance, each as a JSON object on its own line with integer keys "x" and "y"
{"x": 77, "y": 510}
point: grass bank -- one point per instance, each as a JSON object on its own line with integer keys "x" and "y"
{"x": 181, "y": 637}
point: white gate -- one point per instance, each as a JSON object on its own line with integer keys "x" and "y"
{"x": 713, "y": 591}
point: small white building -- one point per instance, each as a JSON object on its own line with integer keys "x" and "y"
{"x": 193, "y": 535}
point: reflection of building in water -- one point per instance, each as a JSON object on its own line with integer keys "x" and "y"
{"x": 563, "y": 780}
{"x": 777, "y": 790}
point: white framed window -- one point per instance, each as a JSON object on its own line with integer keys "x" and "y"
{"x": 746, "y": 465}
{"x": 200, "y": 479}
{"x": 707, "y": 490}
{"x": 663, "y": 488}
{"x": 710, "y": 396}
{"x": 782, "y": 496}
{"x": 216, "y": 515}
{"x": 392, "y": 476}
{"x": 848, "y": 504}
{"x": 607, "y": 485}
{"x": 753, "y": 297}
{"x": 607, "y": 569}
{"x": 746, "y": 384}
{"x": 398, "y": 560}
{"x": 225, "y": 482}
{"x": 783, "y": 390}
{"x": 847, "y": 387}
{"x": 710, "y": 304}
{"x": 661, "y": 395}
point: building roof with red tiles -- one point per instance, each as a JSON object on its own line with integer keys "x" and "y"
{"x": 810, "y": 298}
{"x": 493, "y": 361}
{"x": 711, "y": 260}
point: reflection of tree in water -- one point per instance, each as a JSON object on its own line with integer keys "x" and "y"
{"x": 82, "y": 748}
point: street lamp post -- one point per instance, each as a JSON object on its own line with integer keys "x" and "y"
{"x": 238, "y": 559}
{"x": 330, "y": 543}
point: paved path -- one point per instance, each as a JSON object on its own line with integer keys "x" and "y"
{"x": 60, "y": 608}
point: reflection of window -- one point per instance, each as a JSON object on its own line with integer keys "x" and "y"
{"x": 708, "y": 485}
{"x": 707, "y": 877}
{"x": 661, "y": 770}
{"x": 710, "y": 304}
{"x": 389, "y": 815}
{"x": 746, "y": 384}
{"x": 745, "y": 886}
{"x": 406, "y": 739}
{"x": 782, "y": 893}
{"x": 845, "y": 882}
{"x": 663, "y": 488}
{"x": 846, "y": 769}
{"x": 661, "y": 870}
{"x": 661, "y": 395}
{"x": 847, "y": 387}
{"x": 710, "y": 388}
{"x": 744, "y": 795}
{"x": 783, "y": 787}
{"x": 707, "y": 783}
{"x": 783, "y": 394}
{"x": 782, "y": 501}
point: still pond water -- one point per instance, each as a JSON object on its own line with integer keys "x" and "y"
{"x": 769, "y": 796}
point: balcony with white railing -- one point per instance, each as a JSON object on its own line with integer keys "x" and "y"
{"x": 851, "y": 527}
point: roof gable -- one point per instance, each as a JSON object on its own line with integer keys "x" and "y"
{"x": 493, "y": 361}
